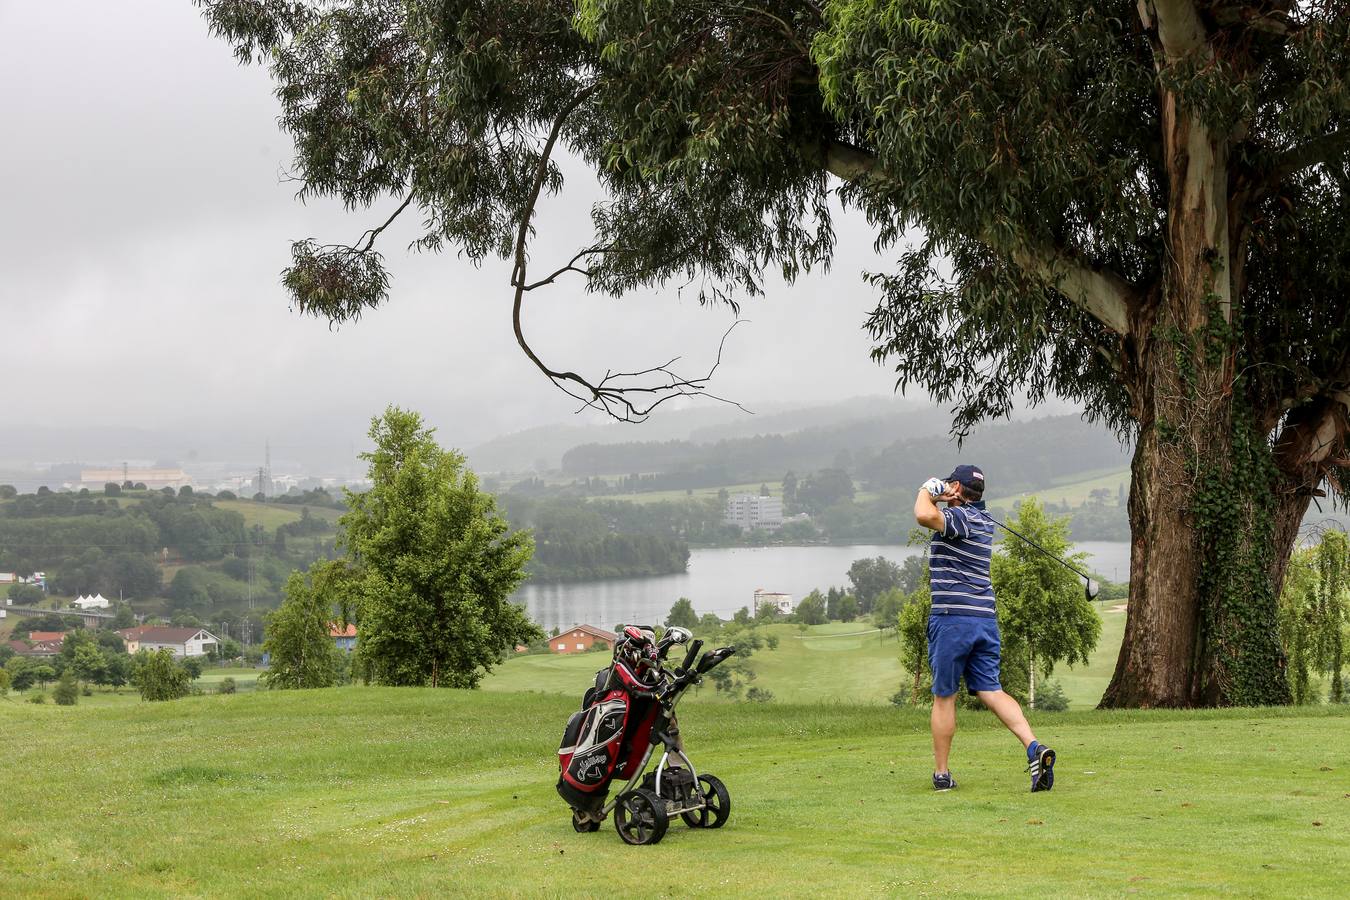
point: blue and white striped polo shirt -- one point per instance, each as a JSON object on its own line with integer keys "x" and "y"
{"x": 958, "y": 563}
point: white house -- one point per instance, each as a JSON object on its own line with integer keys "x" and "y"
{"x": 782, "y": 601}
{"x": 96, "y": 601}
{"x": 179, "y": 641}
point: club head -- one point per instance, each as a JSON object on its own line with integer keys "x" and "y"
{"x": 1093, "y": 589}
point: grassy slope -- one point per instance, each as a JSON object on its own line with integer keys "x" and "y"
{"x": 270, "y": 515}
{"x": 828, "y": 661}
{"x": 384, "y": 792}
{"x": 1075, "y": 491}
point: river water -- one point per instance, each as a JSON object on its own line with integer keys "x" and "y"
{"x": 723, "y": 580}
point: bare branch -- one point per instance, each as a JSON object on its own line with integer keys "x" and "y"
{"x": 626, "y": 396}
{"x": 373, "y": 233}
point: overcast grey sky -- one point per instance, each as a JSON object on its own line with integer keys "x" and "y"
{"x": 144, "y": 225}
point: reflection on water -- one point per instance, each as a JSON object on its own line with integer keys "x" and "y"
{"x": 721, "y": 581}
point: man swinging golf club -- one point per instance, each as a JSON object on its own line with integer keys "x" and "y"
{"x": 963, "y": 635}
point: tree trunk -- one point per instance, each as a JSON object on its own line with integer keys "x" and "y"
{"x": 1031, "y": 682}
{"x": 1201, "y": 615}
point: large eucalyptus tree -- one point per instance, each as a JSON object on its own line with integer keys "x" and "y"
{"x": 1142, "y": 207}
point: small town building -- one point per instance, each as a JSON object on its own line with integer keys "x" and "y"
{"x": 36, "y": 649}
{"x": 580, "y": 638}
{"x": 154, "y": 479}
{"x": 750, "y": 511}
{"x": 179, "y": 641}
{"x": 783, "y": 602}
{"x": 343, "y": 638}
{"x": 57, "y": 636}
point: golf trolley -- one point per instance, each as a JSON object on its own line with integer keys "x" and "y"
{"x": 624, "y": 718}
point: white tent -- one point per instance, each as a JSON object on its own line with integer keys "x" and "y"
{"x": 96, "y": 601}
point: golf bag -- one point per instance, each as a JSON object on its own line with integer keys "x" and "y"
{"x": 624, "y": 717}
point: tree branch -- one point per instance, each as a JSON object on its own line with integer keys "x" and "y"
{"x": 1102, "y": 294}
{"x": 614, "y": 394}
{"x": 1180, "y": 29}
{"x": 1311, "y": 152}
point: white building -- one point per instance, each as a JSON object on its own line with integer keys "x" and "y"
{"x": 179, "y": 641}
{"x": 782, "y": 601}
{"x": 753, "y": 511}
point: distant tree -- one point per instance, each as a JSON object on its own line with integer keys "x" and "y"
{"x": 758, "y": 694}
{"x": 259, "y": 497}
{"x": 116, "y": 669}
{"x": 913, "y": 573}
{"x": 44, "y": 491}
{"x": 110, "y": 640}
{"x": 913, "y": 630}
{"x": 226, "y": 686}
{"x": 832, "y": 598}
{"x": 26, "y": 594}
{"x": 871, "y": 578}
{"x": 128, "y": 486}
{"x": 767, "y": 612}
{"x": 764, "y": 490}
{"x": 1314, "y": 607}
{"x": 167, "y": 491}
{"x": 811, "y": 609}
{"x": 848, "y": 607}
{"x": 159, "y": 677}
{"x": 4, "y": 683}
{"x": 227, "y": 495}
{"x": 123, "y": 617}
{"x": 823, "y": 489}
{"x": 434, "y": 563}
{"x": 1052, "y": 698}
{"x": 790, "y": 489}
{"x": 709, "y": 623}
{"x": 886, "y": 609}
{"x": 1043, "y": 616}
{"x": 185, "y": 491}
{"x": 74, "y": 640}
{"x": 66, "y": 692}
{"x": 741, "y": 616}
{"x": 138, "y": 486}
{"x": 682, "y": 614}
{"x": 8, "y": 492}
{"x": 297, "y": 633}
{"x": 192, "y": 665}
{"x": 112, "y": 489}
{"x": 89, "y": 664}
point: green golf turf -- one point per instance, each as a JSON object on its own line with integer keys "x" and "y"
{"x": 410, "y": 792}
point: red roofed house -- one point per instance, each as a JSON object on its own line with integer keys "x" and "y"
{"x": 343, "y": 638}
{"x": 179, "y": 641}
{"x": 57, "y": 636}
{"x": 580, "y": 638}
{"x": 37, "y": 649}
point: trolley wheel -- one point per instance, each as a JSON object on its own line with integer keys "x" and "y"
{"x": 584, "y": 826}
{"x": 717, "y": 804}
{"x": 640, "y": 817}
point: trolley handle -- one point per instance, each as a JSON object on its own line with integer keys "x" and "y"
{"x": 694, "y": 647}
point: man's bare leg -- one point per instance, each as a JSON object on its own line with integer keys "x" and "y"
{"x": 1005, "y": 707}
{"x": 943, "y": 723}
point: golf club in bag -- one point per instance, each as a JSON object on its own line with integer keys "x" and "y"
{"x": 625, "y": 716}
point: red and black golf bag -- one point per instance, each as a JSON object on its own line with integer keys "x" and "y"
{"x": 611, "y": 733}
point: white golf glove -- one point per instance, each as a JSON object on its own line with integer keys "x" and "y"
{"x": 936, "y": 487}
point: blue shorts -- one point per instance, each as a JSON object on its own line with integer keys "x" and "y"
{"x": 963, "y": 645}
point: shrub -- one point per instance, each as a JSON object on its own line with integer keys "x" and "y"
{"x": 39, "y": 697}
{"x": 1051, "y": 698}
{"x": 226, "y": 686}
{"x": 759, "y": 695}
{"x": 66, "y": 691}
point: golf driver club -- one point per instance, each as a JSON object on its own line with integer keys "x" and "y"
{"x": 1091, "y": 590}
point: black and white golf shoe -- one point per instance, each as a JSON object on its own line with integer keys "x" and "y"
{"x": 943, "y": 782}
{"x": 1042, "y": 769}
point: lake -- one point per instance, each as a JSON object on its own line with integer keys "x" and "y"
{"x": 723, "y": 580}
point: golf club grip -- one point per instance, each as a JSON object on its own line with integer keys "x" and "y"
{"x": 694, "y": 647}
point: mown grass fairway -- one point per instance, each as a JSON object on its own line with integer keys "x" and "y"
{"x": 842, "y": 659}
{"x": 388, "y": 792}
